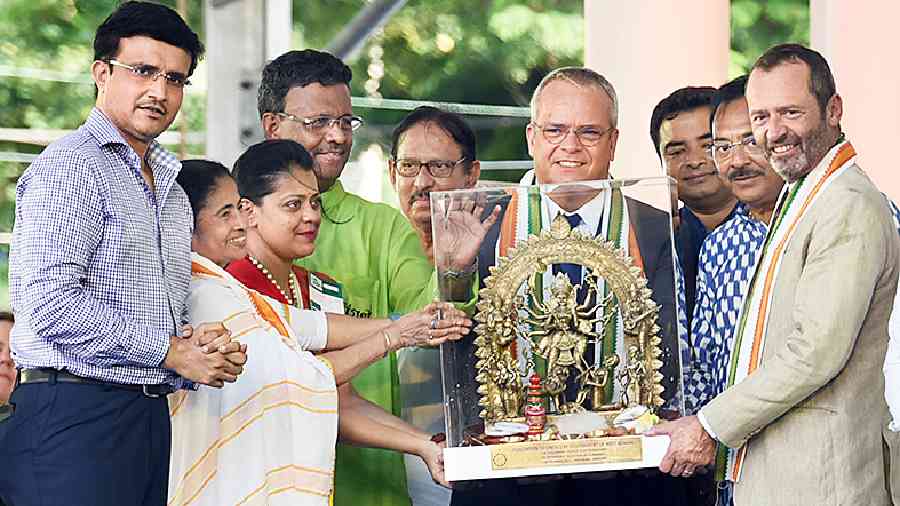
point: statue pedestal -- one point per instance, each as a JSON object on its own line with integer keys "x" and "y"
{"x": 534, "y": 458}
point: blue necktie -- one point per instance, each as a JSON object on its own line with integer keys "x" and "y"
{"x": 573, "y": 271}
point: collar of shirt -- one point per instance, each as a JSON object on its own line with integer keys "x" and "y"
{"x": 742, "y": 212}
{"x": 336, "y": 193}
{"x": 164, "y": 165}
{"x": 591, "y": 213}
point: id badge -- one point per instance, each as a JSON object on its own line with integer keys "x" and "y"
{"x": 325, "y": 294}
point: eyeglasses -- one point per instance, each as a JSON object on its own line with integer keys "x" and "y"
{"x": 721, "y": 152}
{"x": 437, "y": 168}
{"x": 151, "y": 73}
{"x": 318, "y": 124}
{"x": 587, "y": 135}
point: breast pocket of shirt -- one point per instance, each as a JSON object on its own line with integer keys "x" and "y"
{"x": 131, "y": 218}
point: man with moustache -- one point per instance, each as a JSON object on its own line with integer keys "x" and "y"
{"x": 679, "y": 129}
{"x": 572, "y": 137}
{"x": 432, "y": 150}
{"x": 728, "y": 255}
{"x": 99, "y": 274}
{"x": 804, "y": 385}
{"x": 369, "y": 248}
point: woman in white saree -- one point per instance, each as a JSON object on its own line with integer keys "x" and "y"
{"x": 270, "y": 437}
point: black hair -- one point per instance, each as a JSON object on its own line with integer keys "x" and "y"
{"x": 298, "y": 68}
{"x": 257, "y": 170}
{"x": 198, "y": 178}
{"x": 821, "y": 80}
{"x": 451, "y": 123}
{"x": 727, "y": 93}
{"x": 685, "y": 99}
{"x": 148, "y": 19}
{"x": 7, "y": 316}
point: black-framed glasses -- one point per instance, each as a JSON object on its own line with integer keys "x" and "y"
{"x": 437, "y": 168}
{"x": 318, "y": 124}
{"x": 721, "y": 151}
{"x": 151, "y": 73}
{"x": 587, "y": 135}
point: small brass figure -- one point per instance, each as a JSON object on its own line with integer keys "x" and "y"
{"x": 632, "y": 378}
{"x": 593, "y": 381}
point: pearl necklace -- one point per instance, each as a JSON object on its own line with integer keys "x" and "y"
{"x": 292, "y": 301}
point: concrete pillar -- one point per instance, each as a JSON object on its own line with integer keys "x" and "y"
{"x": 241, "y": 36}
{"x": 648, "y": 50}
{"x": 855, "y": 38}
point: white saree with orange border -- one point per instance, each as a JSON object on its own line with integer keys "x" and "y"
{"x": 270, "y": 437}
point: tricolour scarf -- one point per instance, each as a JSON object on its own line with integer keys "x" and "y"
{"x": 794, "y": 203}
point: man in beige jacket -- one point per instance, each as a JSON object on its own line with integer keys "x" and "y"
{"x": 803, "y": 412}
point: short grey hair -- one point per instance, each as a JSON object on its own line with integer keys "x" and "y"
{"x": 579, "y": 76}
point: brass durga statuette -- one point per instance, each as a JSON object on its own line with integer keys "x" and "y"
{"x": 600, "y": 354}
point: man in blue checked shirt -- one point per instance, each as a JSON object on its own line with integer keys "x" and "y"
{"x": 728, "y": 255}
{"x": 99, "y": 274}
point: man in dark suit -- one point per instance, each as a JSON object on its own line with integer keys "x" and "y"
{"x": 572, "y": 137}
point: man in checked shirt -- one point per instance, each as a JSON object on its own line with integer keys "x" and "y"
{"x": 99, "y": 273}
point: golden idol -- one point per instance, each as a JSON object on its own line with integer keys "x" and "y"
{"x": 595, "y": 344}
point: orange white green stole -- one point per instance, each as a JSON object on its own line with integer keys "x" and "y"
{"x": 750, "y": 337}
{"x": 528, "y": 213}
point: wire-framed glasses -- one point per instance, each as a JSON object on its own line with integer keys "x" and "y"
{"x": 587, "y": 135}
{"x": 151, "y": 73}
{"x": 318, "y": 124}
{"x": 722, "y": 151}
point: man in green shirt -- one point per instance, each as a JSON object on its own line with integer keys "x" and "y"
{"x": 369, "y": 248}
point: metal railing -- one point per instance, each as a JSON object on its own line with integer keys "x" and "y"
{"x": 43, "y": 137}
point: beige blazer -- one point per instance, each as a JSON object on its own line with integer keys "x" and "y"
{"x": 814, "y": 411}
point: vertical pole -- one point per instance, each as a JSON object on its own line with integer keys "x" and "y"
{"x": 182, "y": 9}
{"x": 648, "y": 50}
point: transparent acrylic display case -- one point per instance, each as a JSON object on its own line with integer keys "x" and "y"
{"x": 575, "y": 350}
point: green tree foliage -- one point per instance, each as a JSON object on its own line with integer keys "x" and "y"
{"x": 474, "y": 51}
{"x": 757, "y": 26}
{"x": 471, "y": 51}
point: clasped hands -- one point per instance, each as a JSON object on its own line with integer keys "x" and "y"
{"x": 206, "y": 355}
{"x": 690, "y": 447}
